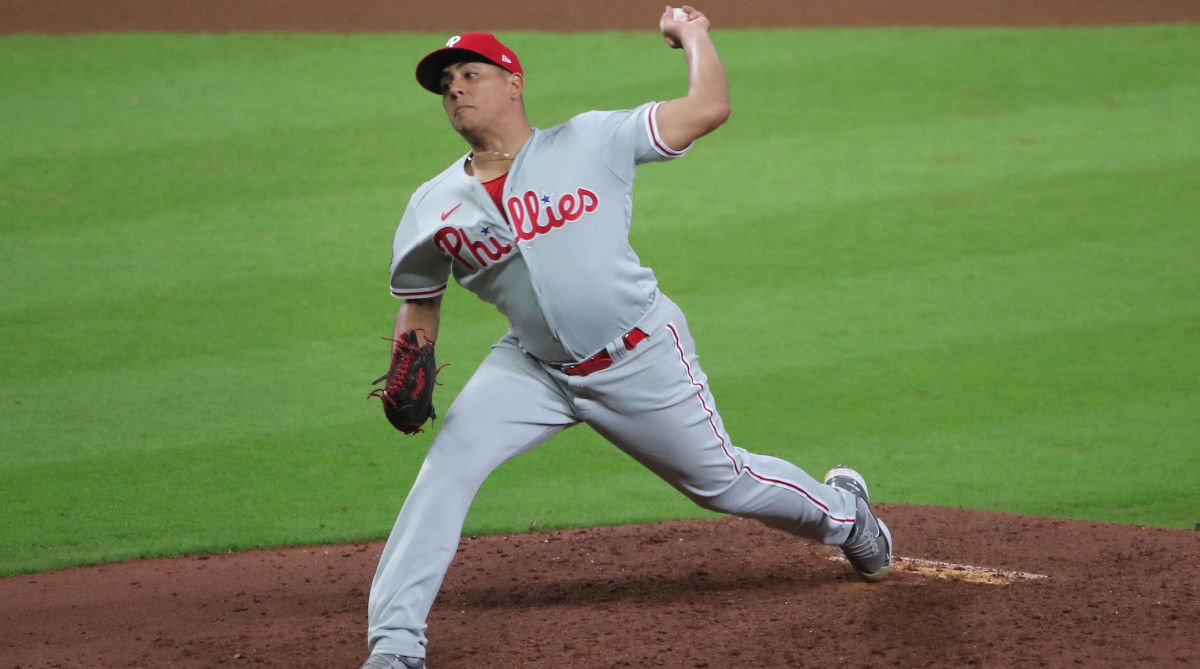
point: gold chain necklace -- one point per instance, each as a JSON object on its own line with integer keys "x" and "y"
{"x": 502, "y": 156}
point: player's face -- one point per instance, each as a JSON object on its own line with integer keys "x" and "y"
{"x": 473, "y": 93}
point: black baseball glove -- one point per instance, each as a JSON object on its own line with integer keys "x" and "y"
{"x": 407, "y": 393}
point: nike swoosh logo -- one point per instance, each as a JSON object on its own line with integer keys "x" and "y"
{"x": 447, "y": 214}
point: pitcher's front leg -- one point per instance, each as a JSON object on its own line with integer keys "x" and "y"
{"x": 509, "y": 406}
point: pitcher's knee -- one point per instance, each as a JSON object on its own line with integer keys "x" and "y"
{"x": 745, "y": 495}
{"x": 720, "y": 500}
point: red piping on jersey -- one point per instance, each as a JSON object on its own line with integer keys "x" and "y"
{"x": 418, "y": 294}
{"x": 652, "y": 125}
{"x": 725, "y": 442}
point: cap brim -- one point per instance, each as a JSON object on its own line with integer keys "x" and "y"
{"x": 429, "y": 70}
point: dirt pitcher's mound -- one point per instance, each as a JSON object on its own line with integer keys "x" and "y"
{"x": 973, "y": 589}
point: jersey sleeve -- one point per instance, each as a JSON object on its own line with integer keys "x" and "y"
{"x": 418, "y": 269}
{"x": 631, "y": 137}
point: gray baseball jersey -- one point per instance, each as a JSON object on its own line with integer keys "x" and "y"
{"x": 565, "y": 294}
{"x": 561, "y": 269}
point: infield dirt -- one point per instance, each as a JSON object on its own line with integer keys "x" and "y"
{"x": 977, "y": 588}
{"x": 711, "y": 593}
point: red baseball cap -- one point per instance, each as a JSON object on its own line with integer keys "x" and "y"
{"x": 461, "y": 48}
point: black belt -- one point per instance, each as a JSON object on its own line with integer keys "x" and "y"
{"x": 603, "y": 359}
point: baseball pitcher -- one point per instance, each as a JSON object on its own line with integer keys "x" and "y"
{"x": 536, "y": 222}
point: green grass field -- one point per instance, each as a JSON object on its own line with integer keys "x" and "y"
{"x": 965, "y": 261}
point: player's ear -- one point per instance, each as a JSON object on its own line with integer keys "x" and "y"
{"x": 516, "y": 81}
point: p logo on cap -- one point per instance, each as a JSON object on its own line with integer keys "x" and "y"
{"x": 461, "y": 48}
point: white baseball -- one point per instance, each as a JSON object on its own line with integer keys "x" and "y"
{"x": 677, "y": 14}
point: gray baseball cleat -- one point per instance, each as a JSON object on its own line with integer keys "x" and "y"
{"x": 381, "y": 661}
{"x": 869, "y": 546}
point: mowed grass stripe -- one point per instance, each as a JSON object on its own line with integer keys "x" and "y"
{"x": 963, "y": 260}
